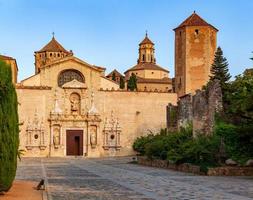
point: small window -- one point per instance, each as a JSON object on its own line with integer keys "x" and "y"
{"x": 143, "y": 57}
{"x": 180, "y": 33}
{"x": 196, "y": 31}
{"x": 58, "y": 55}
{"x": 51, "y": 54}
{"x": 152, "y": 72}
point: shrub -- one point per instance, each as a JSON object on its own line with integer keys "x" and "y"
{"x": 140, "y": 142}
{"x": 156, "y": 149}
{"x": 8, "y": 128}
{"x": 238, "y": 140}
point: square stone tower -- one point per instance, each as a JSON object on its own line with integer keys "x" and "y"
{"x": 195, "y": 46}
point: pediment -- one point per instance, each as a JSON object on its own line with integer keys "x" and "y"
{"x": 74, "y": 84}
{"x": 76, "y": 60}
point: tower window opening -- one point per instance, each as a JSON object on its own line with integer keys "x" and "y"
{"x": 180, "y": 33}
{"x": 51, "y": 54}
{"x": 58, "y": 55}
{"x": 196, "y": 31}
{"x": 143, "y": 57}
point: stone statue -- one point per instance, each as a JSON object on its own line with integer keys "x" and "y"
{"x": 75, "y": 103}
{"x": 56, "y": 137}
{"x": 93, "y": 136}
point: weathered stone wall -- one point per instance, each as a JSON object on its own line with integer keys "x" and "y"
{"x": 199, "y": 109}
{"x": 205, "y": 104}
{"x": 184, "y": 111}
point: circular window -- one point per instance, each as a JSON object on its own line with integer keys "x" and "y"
{"x": 69, "y": 75}
{"x": 112, "y": 137}
{"x": 36, "y": 136}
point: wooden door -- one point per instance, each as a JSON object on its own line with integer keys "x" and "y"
{"x": 74, "y": 142}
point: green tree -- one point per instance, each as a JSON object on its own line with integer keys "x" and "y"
{"x": 132, "y": 82}
{"x": 122, "y": 82}
{"x": 241, "y": 97}
{"x": 9, "y": 130}
{"x": 113, "y": 76}
{"x": 219, "y": 70}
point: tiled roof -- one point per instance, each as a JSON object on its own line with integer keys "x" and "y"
{"x": 146, "y": 40}
{"x": 164, "y": 80}
{"x": 2, "y": 57}
{"x": 142, "y": 66}
{"x": 53, "y": 46}
{"x": 116, "y": 73}
{"x": 194, "y": 20}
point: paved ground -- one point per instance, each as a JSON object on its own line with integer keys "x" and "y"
{"x": 22, "y": 190}
{"x": 115, "y": 179}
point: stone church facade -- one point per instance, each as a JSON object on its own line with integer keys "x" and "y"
{"x": 70, "y": 108}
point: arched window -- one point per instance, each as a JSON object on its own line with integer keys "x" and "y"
{"x": 69, "y": 75}
{"x": 143, "y": 57}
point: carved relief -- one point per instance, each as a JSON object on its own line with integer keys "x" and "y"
{"x": 75, "y": 103}
{"x": 93, "y": 136}
{"x": 112, "y": 131}
{"x": 35, "y": 131}
{"x": 56, "y": 136}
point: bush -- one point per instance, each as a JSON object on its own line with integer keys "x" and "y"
{"x": 156, "y": 149}
{"x": 238, "y": 140}
{"x": 9, "y": 131}
{"x": 140, "y": 142}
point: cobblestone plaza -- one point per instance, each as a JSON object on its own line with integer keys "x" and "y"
{"x": 109, "y": 179}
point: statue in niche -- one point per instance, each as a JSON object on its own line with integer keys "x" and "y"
{"x": 93, "y": 136}
{"x": 56, "y": 137}
{"x": 75, "y": 103}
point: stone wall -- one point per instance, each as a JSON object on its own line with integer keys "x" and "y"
{"x": 190, "y": 168}
{"x": 230, "y": 171}
{"x": 199, "y": 109}
{"x": 185, "y": 167}
{"x": 137, "y": 113}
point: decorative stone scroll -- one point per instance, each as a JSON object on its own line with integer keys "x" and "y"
{"x": 35, "y": 133}
{"x": 112, "y": 131}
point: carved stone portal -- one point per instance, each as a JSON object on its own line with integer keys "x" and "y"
{"x": 112, "y": 131}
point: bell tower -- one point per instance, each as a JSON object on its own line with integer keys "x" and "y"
{"x": 195, "y": 46}
{"x": 51, "y": 52}
{"x": 146, "y": 51}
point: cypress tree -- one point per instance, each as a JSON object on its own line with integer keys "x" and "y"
{"x": 9, "y": 130}
{"x": 219, "y": 69}
{"x": 122, "y": 82}
{"x": 113, "y": 76}
{"x": 132, "y": 82}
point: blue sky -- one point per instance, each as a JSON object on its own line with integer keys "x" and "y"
{"x": 107, "y": 32}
